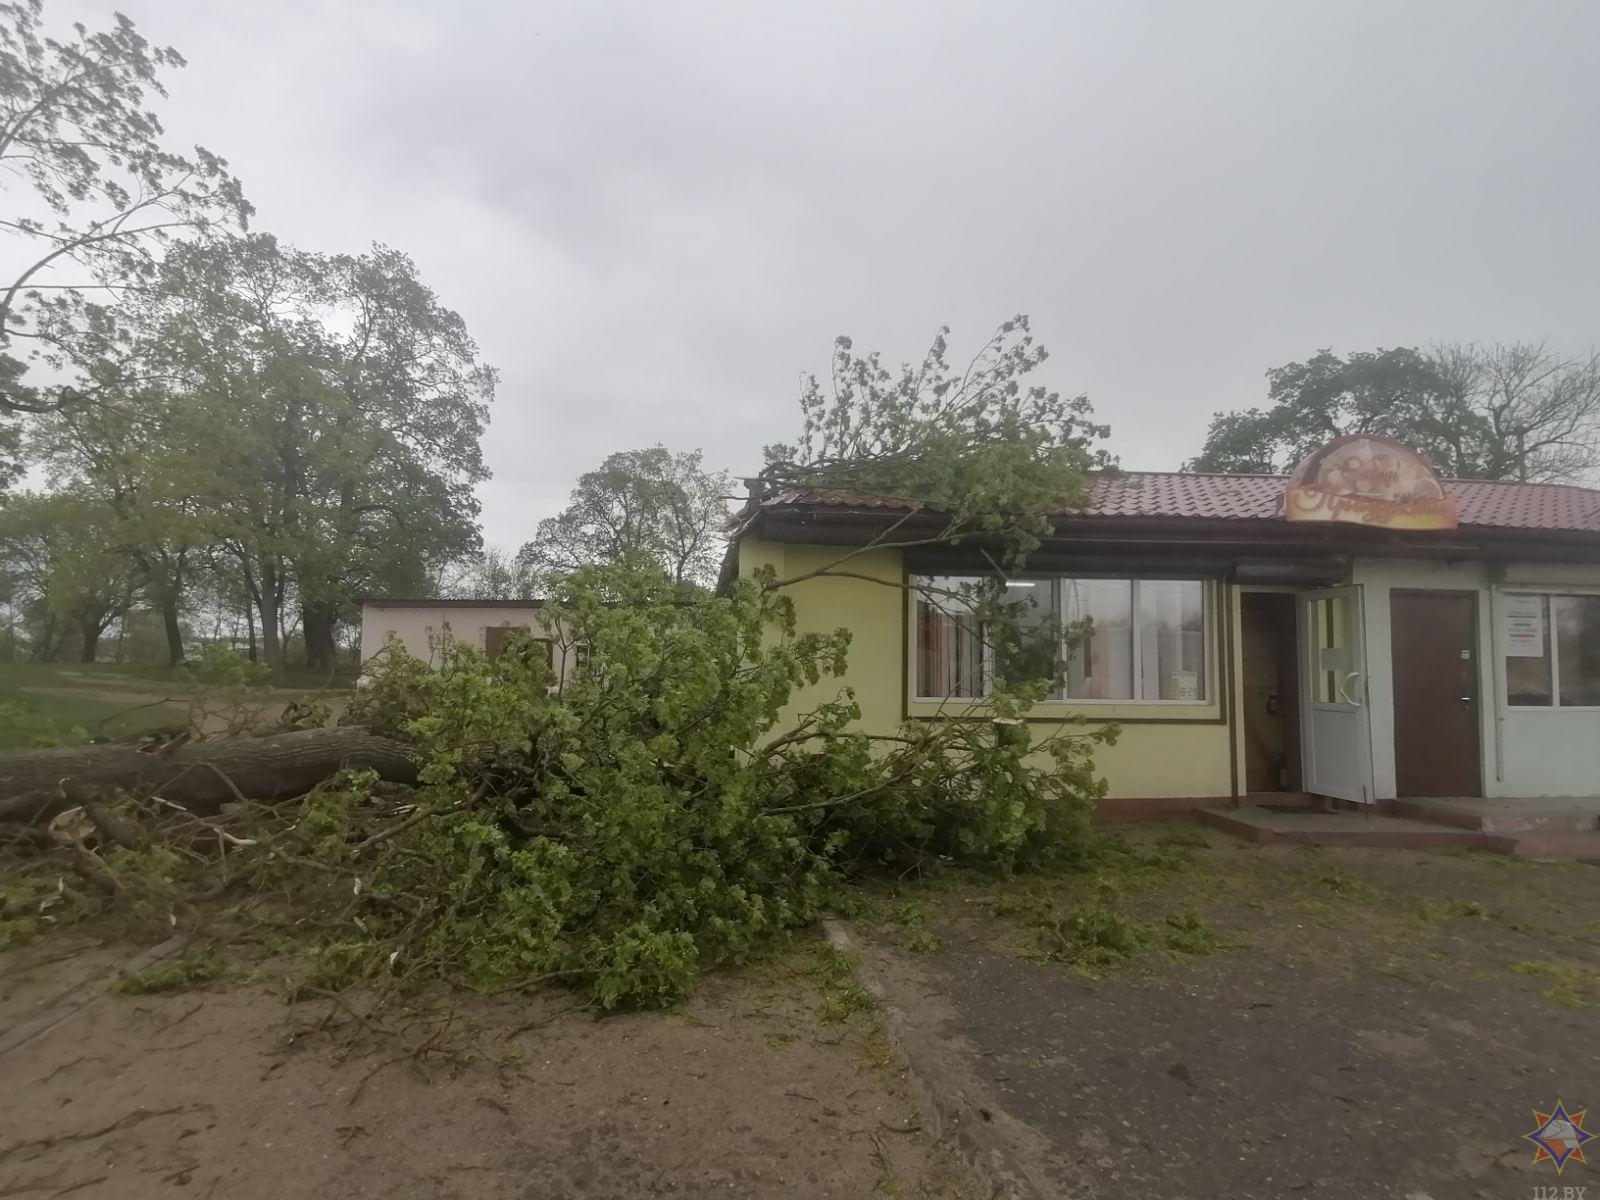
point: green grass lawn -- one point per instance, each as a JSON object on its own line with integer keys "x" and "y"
{"x": 29, "y": 718}
{"x": 56, "y": 703}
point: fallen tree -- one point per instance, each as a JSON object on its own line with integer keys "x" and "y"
{"x": 698, "y": 788}
{"x": 664, "y": 814}
{"x": 199, "y": 776}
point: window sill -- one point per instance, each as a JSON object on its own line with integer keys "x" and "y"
{"x": 1175, "y": 711}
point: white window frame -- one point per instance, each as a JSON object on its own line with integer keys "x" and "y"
{"x": 1550, "y": 598}
{"x": 1207, "y": 628}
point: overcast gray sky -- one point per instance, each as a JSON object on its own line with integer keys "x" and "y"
{"x": 656, "y": 216}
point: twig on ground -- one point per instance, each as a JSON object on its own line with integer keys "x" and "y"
{"x": 88, "y": 1135}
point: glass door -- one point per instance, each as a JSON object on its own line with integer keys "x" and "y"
{"x": 1336, "y": 740}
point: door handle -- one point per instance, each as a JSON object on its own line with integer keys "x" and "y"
{"x": 1465, "y": 699}
{"x": 1342, "y": 688}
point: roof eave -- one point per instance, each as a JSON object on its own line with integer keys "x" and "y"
{"x": 839, "y": 525}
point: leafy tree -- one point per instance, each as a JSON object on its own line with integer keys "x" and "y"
{"x": 100, "y": 196}
{"x": 1514, "y": 411}
{"x": 63, "y": 550}
{"x": 653, "y": 505}
{"x": 322, "y": 413}
{"x": 133, "y": 454}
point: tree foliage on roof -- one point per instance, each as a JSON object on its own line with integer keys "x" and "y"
{"x": 981, "y": 444}
{"x": 1520, "y": 411}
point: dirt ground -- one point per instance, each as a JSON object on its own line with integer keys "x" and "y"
{"x": 1193, "y": 1018}
{"x": 1365, "y": 1024}
{"x": 233, "y": 1094}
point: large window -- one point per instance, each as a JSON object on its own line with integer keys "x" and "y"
{"x": 1131, "y": 640}
{"x": 1552, "y": 651}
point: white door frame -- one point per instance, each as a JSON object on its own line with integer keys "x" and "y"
{"x": 1335, "y": 723}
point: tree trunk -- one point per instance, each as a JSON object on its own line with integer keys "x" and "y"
{"x": 172, "y": 607}
{"x": 169, "y": 619}
{"x": 250, "y": 624}
{"x": 91, "y": 643}
{"x": 41, "y": 648}
{"x": 198, "y": 775}
{"x": 271, "y": 640}
{"x": 317, "y": 621}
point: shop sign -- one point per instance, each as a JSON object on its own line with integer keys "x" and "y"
{"x": 1369, "y": 480}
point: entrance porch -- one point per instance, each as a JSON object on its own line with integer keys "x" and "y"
{"x": 1549, "y": 827}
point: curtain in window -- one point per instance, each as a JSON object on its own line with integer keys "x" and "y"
{"x": 1172, "y": 657}
{"x": 949, "y": 643}
{"x": 1101, "y": 663}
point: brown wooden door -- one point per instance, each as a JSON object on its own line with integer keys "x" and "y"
{"x": 1434, "y": 644}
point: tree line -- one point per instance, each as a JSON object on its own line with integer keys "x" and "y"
{"x": 1519, "y": 411}
{"x": 209, "y": 434}
{"x": 195, "y": 416}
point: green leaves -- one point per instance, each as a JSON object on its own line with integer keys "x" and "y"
{"x": 978, "y": 445}
{"x": 653, "y": 506}
{"x": 666, "y": 812}
{"x": 104, "y": 193}
{"x": 1516, "y": 411}
{"x": 316, "y": 419}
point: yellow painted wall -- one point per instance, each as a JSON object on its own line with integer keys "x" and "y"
{"x": 871, "y": 611}
{"x": 1188, "y": 754}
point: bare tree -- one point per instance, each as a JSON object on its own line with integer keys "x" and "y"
{"x": 491, "y": 574}
{"x": 1519, "y": 411}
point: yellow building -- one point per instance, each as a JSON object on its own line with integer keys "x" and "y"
{"x": 1361, "y": 630}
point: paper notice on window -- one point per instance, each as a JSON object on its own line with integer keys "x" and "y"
{"x": 1522, "y": 619}
{"x": 1183, "y": 685}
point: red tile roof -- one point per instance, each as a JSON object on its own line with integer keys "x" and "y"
{"x": 1162, "y": 495}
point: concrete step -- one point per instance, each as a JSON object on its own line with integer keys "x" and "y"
{"x": 1352, "y": 829}
{"x": 1557, "y": 845}
{"x": 1404, "y": 825}
{"x": 1501, "y": 822}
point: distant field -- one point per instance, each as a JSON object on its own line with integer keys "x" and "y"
{"x": 30, "y": 716}
{"x": 52, "y": 703}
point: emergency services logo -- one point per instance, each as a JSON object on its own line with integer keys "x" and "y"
{"x": 1560, "y": 1136}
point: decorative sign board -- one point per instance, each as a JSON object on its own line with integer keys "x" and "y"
{"x": 1369, "y": 480}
